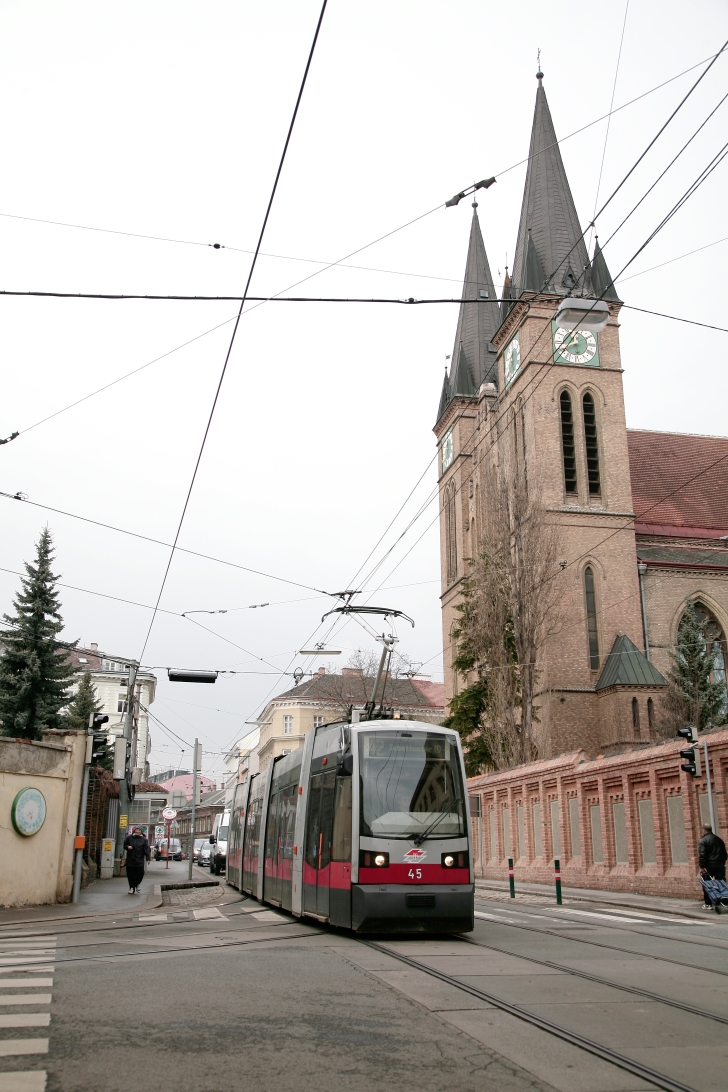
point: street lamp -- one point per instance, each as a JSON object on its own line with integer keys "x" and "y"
{"x": 576, "y": 313}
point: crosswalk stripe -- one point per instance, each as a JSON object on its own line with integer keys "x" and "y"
{"x": 33, "y": 1080}
{"x": 24, "y": 1019}
{"x": 26, "y": 983}
{"x": 8, "y": 1047}
{"x": 26, "y": 999}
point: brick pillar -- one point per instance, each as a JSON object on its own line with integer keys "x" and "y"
{"x": 691, "y": 815}
{"x": 605, "y": 807}
{"x": 631, "y": 821}
{"x": 659, "y": 821}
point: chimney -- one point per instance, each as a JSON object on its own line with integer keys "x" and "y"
{"x": 356, "y": 672}
{"x": 321, "y": 671}
{"x": 93, "y": 646}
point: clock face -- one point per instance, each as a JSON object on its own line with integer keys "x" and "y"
{"x": 574, "y": 346}
{"x": 28, "y": 812}
{"x": 447, "y": 449}
{"x": 512, "y": 358}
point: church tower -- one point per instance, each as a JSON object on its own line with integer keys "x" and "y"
{"x": 562, "y": 391}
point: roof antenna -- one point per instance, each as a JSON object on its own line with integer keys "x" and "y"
{"x": 539, "y": 74}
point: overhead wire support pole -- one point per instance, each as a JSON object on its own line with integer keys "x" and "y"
{"x": 122, "y": 831}
{"x": 239, "y": 316}
{"x": 193, "y": 809}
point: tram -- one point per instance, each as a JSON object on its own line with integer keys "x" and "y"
{"x": 365, "y": 826}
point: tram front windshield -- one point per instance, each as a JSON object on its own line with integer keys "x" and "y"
{"x": 410, "y": 782}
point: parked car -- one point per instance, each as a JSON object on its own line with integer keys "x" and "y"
{"x": 203, "y": 857}
{"x": 161, "y": 851}
{"x": 218, "y": 843}
{"x": 199, "y": 843}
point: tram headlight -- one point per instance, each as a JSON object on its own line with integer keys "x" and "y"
{"x": 368, "y": 858}
{"x": 380, "y": 860}
{"x": 448, "y": 860}
{"x": 458, "y": 859}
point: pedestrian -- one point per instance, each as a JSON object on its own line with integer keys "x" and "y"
{"x": 136, "y": 854}
{"x": 712, "y": 857}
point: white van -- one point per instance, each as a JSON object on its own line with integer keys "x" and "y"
{"x": 219, "y": 843}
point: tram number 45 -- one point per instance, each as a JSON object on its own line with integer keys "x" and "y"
{"x": 415, "y": 873}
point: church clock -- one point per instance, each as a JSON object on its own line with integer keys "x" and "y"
{"x": 575, "y": 347}
{"x": 512, "y": 358}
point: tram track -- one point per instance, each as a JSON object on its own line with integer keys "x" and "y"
{"x": 604, "y": 981}
{"x": 612, "y": 947}
{"x": 622, "y": 1061}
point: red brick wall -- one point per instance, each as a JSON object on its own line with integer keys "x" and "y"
{"x": 641, "y": 781}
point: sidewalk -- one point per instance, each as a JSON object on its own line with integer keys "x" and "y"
{"x": 104, "y": 897}
{"x": 547, "y": 893}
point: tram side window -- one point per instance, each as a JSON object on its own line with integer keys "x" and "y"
{"x": 341, "y": 839}
{"x": 270, "y": 841}
{"x": 254, "y": 817}
{"x": 312, "y": 822}
{"x": 288, "y": 820}
{"x": 327, "y": 816}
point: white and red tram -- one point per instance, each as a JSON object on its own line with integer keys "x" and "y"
{"x": 365, "y": 826}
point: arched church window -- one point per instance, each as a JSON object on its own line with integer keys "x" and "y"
{"x": 636, "y": 716}
{"x": 591, "y": 618}
{"x": 651, "y": 715}
{"x": 520, "y": 442}
{"x": 715, "y": 642}
{"x": 451, "y": 553}
{"x": 567, "y": 442}
{"x": 591, "y": 443}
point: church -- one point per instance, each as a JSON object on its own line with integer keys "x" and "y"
{"x": 641, "y": 516}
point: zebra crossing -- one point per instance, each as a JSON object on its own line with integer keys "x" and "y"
{"x": 26, "y": 979}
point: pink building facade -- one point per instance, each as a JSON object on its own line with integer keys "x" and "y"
{"x": 625, "y": 822}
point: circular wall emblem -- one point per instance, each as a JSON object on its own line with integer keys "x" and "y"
{"x": 28, "y": 812}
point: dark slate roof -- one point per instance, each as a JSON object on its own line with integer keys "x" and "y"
{"x": 626, "y": 666}
{"x": 601, "y": 278}
{"x": 473, "y": 358}
{"x": 549, "y": 229}
{"x": 357, "y": 689}
{"x": 715, "y": 557}
{"x": 679, "y": 480}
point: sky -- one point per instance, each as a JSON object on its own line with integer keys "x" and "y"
{"x": 168, "y": 121}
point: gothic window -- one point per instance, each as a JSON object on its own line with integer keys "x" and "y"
{"x": 567, "y": 442}
{"x": 636, "y": 716}
{"x": 715, "y": 640}
{"x": 591, "y": 618}
{"x": 651, "y": 715}
{"x": 451, "y": 551}
{"x": 522, "y": 416}
{"x": 592, "y": 444}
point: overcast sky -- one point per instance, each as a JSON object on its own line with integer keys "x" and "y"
{"x": 168, "y": 120}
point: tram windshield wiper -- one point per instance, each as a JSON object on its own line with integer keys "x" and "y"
{"x": 420, "y": 838}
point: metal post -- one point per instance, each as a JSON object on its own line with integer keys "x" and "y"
{"x": 642, "y": 569}
{"x": 193, "y": 810}
{"x": 122, "y": 831}
{"x": 511, "y": 879}
{"x": 557, "y": 873}
{"x": 710, "y": 787}
{"x": 480, "y": 836}
{"x": 169, "y": 841}
{"x": 78, "y": 864}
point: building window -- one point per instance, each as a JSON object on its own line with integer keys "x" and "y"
{"x": 592, "y": 445}
{"x": 317, "y": 721}
{"x": 651, "y": 715}
{"x": 636, "y": 716}
{"x": 451, "y": 551}
{"x": 567, "y": 442}
{"x": 591, "y": 618}
{"x": 121, "y": 704}
{"x": 287, "y": 725}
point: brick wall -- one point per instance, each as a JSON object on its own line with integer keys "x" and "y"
{"x": 623, "y": 822}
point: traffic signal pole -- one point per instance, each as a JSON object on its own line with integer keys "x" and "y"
{"x": 710, "y": 787}
{"x": 123, "y": 828}
{"x": 193, "y": 816}
{"x": 80, "y": 838}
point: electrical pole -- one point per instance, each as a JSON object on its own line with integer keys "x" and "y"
{"x": 193, "y": 812}
{"x": 80, "y": 839}
{"x": 123, "y": 828}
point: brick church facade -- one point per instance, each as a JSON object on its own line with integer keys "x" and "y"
{"x": 641, "y": 517}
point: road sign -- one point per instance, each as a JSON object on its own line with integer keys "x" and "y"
{"x": 169, "y": 814}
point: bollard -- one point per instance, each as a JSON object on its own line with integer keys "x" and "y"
{"x": 511, "y": 880}
{"x": 557, "y": 871}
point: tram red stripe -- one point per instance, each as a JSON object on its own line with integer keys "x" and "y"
{"x": 400, "y": 873}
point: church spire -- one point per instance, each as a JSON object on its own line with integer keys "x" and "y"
{"x": 549, "y": 240}
{"x": 601, "y": 279}
{"x": 473, "y": 357}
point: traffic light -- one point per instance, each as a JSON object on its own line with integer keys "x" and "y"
{"x": 122, "y": 754}
{"x": 691, "y": 754}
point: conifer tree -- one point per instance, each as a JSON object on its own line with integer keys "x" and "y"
{"x": 35, "y": 672}
{"x": 691, "y": 693}
{"x": 84, "y": 703}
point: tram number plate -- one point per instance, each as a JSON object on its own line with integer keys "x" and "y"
{"x": 415, "y": 873}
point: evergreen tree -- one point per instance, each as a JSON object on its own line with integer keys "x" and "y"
{"x": 701, "y": 701}
{"x": 467, "y": 710}
{"x": 79, "y": 712}
{"x": 35, "y": 672}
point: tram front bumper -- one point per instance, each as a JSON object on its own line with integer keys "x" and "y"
{"x": 412, "y": 908}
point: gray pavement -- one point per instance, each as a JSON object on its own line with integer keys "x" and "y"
{"x": 238, "y": 994}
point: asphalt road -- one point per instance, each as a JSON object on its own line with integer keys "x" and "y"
{"x": 239, "y": 996}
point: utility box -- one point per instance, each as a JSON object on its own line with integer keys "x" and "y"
{"x": 107, "y": 859}
{"x": 120, "y": 751}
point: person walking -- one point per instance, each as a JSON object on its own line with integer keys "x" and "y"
{"x": 136, "y": 854}
{"x": 712, "y": 856}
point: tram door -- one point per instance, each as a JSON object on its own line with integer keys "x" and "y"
{"x": 317, "y": 862}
